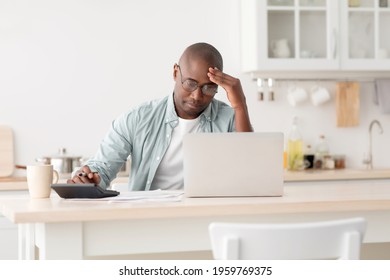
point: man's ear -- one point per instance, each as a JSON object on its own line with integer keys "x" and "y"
{"x": 175, "y": 71}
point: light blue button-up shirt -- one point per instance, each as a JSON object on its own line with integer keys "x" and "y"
{"x": 145, "y": 133}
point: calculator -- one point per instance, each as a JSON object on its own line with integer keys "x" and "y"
{"x": 82, "y": 191}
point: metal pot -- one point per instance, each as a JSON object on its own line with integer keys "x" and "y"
{"x": 62, "y": 162}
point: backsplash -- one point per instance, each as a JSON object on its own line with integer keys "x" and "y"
{"x": 313, "y": 120}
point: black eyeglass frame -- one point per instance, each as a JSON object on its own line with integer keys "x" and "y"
{"x": 194, "y": 86}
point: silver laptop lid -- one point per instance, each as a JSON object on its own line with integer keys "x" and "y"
{"x": 233, "y": 164}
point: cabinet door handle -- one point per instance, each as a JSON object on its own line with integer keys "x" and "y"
{"x": 334, "y": 43}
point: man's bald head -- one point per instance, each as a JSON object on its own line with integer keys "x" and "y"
{"x": 203, "y": 51}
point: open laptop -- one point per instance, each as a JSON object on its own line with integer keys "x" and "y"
{"x": 233, "y": 164}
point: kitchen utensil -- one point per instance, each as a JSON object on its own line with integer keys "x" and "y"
{"x": 6, "y": 151}
{"x": 347, "y": 104}
{"x": 62, "y": 162}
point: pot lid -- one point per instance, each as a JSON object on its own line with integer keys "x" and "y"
{"x": 62, "y": 153}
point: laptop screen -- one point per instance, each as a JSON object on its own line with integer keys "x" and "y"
{"x": 233, "y": 164}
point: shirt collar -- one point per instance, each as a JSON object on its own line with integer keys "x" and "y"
{"x": 171, "y": 115}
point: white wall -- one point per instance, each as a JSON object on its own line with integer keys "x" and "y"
{"x": 67, "y": 68}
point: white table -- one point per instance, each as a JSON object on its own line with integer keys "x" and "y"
{"x": 63, "y": 229}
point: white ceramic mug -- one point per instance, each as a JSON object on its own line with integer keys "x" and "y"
{"x": 39, "y": 180}
{"x": 296, "y": 95}
{"x": 319, "y": 95}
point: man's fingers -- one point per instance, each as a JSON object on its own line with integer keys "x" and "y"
{"x": 86, "y": 169}
{"x": 82, "y": 179}
{"x": 220, "y": 78}
{"x": 96, "y": 178}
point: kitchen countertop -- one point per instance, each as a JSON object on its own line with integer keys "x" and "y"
{"x": 20, "y": 183}
{"x": 336, "y": 174}
{"x": 16, "y": 183}
{"x": 296, "y": 199}
{"x": 13, "y": 183}
{"x": 130, "y": 228}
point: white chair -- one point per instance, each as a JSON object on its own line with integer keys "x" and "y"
{"x": 339, "y": 239}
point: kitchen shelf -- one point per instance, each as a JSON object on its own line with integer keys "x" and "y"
{"x": 321, "y": 9}
{"x": 362, "y": 10}
{"x": 290, "y": 9}
{"x": 293, "y": 9}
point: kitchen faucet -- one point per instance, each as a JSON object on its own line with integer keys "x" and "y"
{"x": 368, "y": 160}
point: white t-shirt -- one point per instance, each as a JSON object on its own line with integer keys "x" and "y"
{"x": 169, "y": 174}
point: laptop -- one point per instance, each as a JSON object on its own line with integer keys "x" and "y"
{"x": 233, "y": 164}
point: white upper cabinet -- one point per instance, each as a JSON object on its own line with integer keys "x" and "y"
{"x": 314, "y": 36}
{"x": 365, "y": 29}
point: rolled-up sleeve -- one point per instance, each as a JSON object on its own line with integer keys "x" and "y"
{"x": 114, "y": 149}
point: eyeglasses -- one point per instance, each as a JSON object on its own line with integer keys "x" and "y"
{"x": 191, "y": 85}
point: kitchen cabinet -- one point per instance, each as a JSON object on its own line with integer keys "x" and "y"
{"x": 365, "y": 34}
{"x": 17, "y": 187}
{"x": 8, "y": 231}
{"x": 8, "y": 239}
{"x": 328, "y": 36}
{"x": 13, "y": 186}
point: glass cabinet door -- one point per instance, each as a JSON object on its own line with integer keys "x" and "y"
{"x": 313, "y": 39}
{"x": 367, "y": 30}
{"x": 383, "y": 51}
{"x": 300, "y": 32}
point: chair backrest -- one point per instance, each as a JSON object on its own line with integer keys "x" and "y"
{"x": 338, "y": 239}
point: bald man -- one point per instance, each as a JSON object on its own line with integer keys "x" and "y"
{"x": 152, "y": 133}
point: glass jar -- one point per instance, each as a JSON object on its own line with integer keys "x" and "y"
{"x": 322, "y": 150}
{"x": 328, "y": 162}
{"x": 339, "y": 161}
